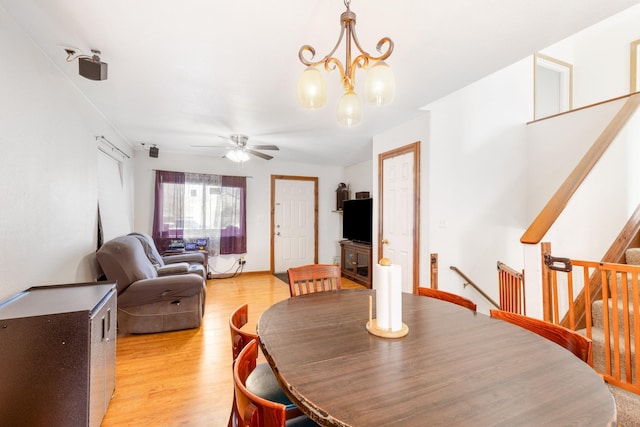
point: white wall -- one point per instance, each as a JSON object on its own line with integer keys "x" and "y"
{"x": 358, "y": 177}
{"x": 490, "y": 174}
{"x": 258, "y": 200}
{"x": 473, "y": 173}
{"x": 600, "y": 57}
{"x": 48, "y": 169}
{"x": 600, "y": 208}
{"x": 555, "y": 147}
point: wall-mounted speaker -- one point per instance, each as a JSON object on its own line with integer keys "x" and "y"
{"x": 153, "y": 152}
{"x": 92, "y": 69}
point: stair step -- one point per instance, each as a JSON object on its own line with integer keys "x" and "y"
{"x": 599, "y": 357}
{"x": 619, "y": 284}
{"x": 627, "y": 403}
{"x": 597, "y": 315}
{"x": 627, "y": 406}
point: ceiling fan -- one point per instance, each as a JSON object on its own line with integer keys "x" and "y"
{"x": 239, "y": 152}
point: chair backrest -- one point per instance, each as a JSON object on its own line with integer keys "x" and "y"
{"x": 149, "y": 248}
{"x": 571, "y": 340}
{"x": 123, "y": 259}
{"x": 239, "y": 338}
{"x": 447, "y": 296}
{"x": 253, "y": 410}
{"x": 312, "y": 278}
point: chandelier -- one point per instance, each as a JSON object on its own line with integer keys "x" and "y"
{"x": 379, "y": 82}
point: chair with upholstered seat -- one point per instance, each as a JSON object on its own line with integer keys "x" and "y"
{"x": 312, "y": 278}
{"x": 578, "y": 344}
{"x": 447, "y": 296}
{"x": 261, "y": 380}
{"x": 254, "y": 411}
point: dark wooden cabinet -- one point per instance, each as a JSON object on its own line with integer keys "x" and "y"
{"x": 356, "y": 261}
{"x": 58, "y": 354}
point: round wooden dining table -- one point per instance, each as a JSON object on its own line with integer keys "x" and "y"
{"x": 454, "y": 367}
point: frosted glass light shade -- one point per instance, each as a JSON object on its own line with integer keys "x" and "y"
{"x": 379, "y": 84}
{"x": 312, "y": 89}
{"x": 237, "y": 156}
{"x": 349, "y": 109}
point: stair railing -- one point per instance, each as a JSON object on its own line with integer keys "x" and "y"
{"x": 554, "y": 207}
{"x": 619, "y": 323}
{"x": 557, "y": 203}
{"x": 511, "y": 285}
{"x": 473, "y": 285}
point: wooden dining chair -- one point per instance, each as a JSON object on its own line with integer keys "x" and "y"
{"x": 312, "y": 278}
{"x": 447, "y": 296}
{"x": 571, "y": 340}
{"x": 253, "y": 410}
{"x": 261, "y": 381}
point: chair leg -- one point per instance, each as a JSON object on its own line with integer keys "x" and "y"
{"x": 233, "y": 417}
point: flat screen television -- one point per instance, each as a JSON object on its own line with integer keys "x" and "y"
{"x": 357, "y": 220}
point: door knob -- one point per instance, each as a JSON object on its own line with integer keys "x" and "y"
{"x": 385, "y": 242}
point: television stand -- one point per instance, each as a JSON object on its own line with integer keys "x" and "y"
{"x": 356, "y": 261}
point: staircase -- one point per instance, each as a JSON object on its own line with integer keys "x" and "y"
{"x": 628, "y": 404}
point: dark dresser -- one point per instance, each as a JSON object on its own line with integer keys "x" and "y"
{"x": 57, "y": 355}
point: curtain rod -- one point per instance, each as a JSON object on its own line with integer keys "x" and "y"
{"x": 239, "y": 176}
{"x": 112, "y": 145}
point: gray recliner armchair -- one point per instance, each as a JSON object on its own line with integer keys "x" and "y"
{"x": 147, "y": 302}
{"x": 188, "y": 262}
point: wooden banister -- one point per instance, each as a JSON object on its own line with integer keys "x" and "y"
{"x": 545, "y": 219}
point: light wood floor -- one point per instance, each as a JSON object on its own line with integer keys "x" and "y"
{"x": 183, "y": 378}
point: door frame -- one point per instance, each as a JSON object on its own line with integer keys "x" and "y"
{"x": 314, "y": 179}
{"x": 409, "y": 148}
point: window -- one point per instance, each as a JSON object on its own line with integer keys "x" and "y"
{"x": 201, "y": 206}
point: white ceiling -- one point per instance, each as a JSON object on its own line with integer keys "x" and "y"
{"x": 182, "y": 72}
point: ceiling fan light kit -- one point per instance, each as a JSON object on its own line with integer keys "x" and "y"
{"x": 237, "y": 155}
{"x": 241, "y": 152}
{"x": 379, "y": 81}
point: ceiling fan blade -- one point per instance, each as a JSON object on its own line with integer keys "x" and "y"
{"x": 211, "y": 146}
{"x": 265, "y": 147}
{"x": 259, "y": 154}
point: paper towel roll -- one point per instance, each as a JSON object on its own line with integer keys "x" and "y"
{"x": 381, "y": 285}
{"x": 387, "y": 281}
{"x": 395, "y": 297}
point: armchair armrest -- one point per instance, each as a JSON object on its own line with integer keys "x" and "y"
{"x": 173, "y": 269}
{"x": 165, "y": 288}
{"x": 192, "y": 257}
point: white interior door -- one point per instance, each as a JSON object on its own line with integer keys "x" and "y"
{"x": 294, "y": 223}
{"x": 398, "y": 209}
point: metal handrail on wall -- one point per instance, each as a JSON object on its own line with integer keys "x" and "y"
{"x": 470, "y": 282}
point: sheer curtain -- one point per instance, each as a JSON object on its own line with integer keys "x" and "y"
{"x": 203, "y": 208}
{"x": 193, "y": 206}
